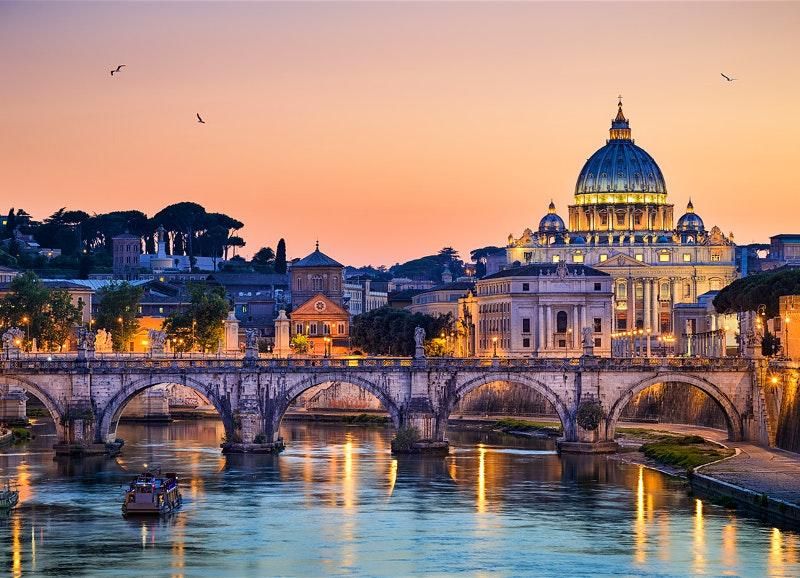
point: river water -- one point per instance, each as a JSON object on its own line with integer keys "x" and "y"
{"x": 337, "y": 502}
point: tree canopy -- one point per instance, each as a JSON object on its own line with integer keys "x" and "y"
{"x": 748, "y": 293}
{"x": 117, "y": 312}
{"x": 389, "y": 331}
{"x": 200, "y": 324}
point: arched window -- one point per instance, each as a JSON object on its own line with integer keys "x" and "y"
{"x": 561, "y": 322}
{"x": 334, "y": 283}
{"x": 299, "y": 284}
{"x": 316, "y": 283}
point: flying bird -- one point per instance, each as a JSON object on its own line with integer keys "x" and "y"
{"x": 726, "y": 77}
{"x": 200, "y": 118}
{"x": 117, "y": 69}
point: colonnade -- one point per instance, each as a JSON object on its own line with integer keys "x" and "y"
{"x": 546, "y": 325}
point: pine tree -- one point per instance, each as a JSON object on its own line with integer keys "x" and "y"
{"x": 11, "y": 224}
{"x": 280, "y": 258}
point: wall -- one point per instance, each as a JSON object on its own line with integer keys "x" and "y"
{"x": 675, "y": 403}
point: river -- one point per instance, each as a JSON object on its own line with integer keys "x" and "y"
{"x": 337, "y": 502}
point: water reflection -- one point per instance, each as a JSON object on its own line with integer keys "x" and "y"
{"x": 337, "y": 501}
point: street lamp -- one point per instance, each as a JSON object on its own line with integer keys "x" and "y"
{"x": 327, "y": 341}
{"x": 27, "y": 323}
{"x": 494, "y": 343}
{"x": 121, "y": 334}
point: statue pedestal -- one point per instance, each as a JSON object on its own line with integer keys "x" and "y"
{"x": 281, "y": 346}
{"x": 231, "y": 332}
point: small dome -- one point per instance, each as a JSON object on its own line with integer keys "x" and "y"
{"x": 664, "y": 239}
{"x": 690, "y": 221}
{"x": 551, "y": 222}
{"x": 578, "y": 240}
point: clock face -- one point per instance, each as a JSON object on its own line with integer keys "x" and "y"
{"x": 319, "y": 306}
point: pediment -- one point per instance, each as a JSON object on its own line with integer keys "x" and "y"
{"x": 311, "y": 307}
{"x": 617, "y": 260}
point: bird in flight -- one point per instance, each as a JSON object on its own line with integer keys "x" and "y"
{"x": 200, "y": 118}
{"x": 726, "y": 77}
{"x": 117, "y": 69}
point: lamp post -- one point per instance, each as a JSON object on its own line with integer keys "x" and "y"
{"x": 121, "y": 335}
{"x": 27, "y": 322}
{"x": 648, "y": 341}
{"x": 326, "y": 352}
{"x": 494, "y": 344}
{"x": 568, "y": 340}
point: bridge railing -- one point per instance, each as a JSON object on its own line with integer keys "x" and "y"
{"x": 39, "y": 363}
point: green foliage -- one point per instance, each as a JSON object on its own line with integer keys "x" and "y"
{"x": 264, "y": 259}
{"x": 366, "y": 419}
{"x": 748, "y": 293}
{"x": 431, "y": 267}
{"x": 117, "y": 311}
{"x": 770, "y": 344}
{"x": 686, "y": 452}
{"x": 590, "y": 414}
{"x": 299, "y": 344}
{"x": 200, "y": 324}
{"x": 389, "y": 331}
{"x": 436, "y": 347}
{"x": 43, "y": 314}
{"x": 260, "y": 439}
{"x": 21, "y": 434}
{"x": 280, "y": 257}
{"x": 479, "y": 256}
{"x": 513, "y": 424}
{"x": 405, "y": 439}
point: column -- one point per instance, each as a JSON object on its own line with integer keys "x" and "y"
{"x": 540, "y": 327}
{"x": 672, "y": 302}
{"x": 647, "y": 308}
{"x": 576, "y": 329}
{"x": 655, "y": 316}
{"x": 629, "y": 304}
{"x": 583, "y": 317}
{"x": 549, "y": 335}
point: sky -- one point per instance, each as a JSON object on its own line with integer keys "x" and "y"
{"x": 390, "y": 130}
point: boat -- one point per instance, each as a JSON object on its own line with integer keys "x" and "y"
{"x": 152, "y": 494}
{"x": 8, "y": 498}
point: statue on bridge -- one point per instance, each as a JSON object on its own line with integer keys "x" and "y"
{"x": 12, "y": 340}
{"x": 251, "y": 344}
{"x": 588, "y": 341}
{"x": 157, "y": 340}
{"x": 419, "y": 342}
{"x": 102, "y": 341}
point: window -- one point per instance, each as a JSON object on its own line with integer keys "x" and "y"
{"x": 161, "y": 310}
{"x": 334, "y": 283}
{"x": 340, "y": 329}
{"x": 620, "y": 218}
{"x": 298, "y": 284}
{"x": 527, "y": 256}
{"x": 664, "y": 291}
{"x": 526, "y": 342}
{"x": 598, "y": 287}
{"x": 639, "y": 257}
{"x": 598, "y": 342}
{"x": 526, "y": 286}
{"x": 577, "y": 258}
{"x": 687, "y": 257}
{"x": 326, "y": 328}
{"x": 603, "y": 257}
{"x": 244, "y": 308}
{"x": 298, "y": 329}
{"x": 312, "y": 330}
{"x": 556, "y": 258}
{"x": 562, "y": 343}
{"x": 663, "y": 257}
{"x": 526, "y": 325}
{"x": 622, "y": 291}
{"x": 598, "y": 325}
{"x": 561, "y": 322}
{"x": 687, "y": 289}
{"x": 316, "y": 283}
{"x": 715, "y": 257}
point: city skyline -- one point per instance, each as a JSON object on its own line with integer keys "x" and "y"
{"x": 441, "y": 124}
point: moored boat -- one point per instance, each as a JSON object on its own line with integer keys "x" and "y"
{"x": 152, "y": 494}
{"x": 8, "y": 498}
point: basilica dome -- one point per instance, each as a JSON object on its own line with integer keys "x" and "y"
{"x": 551, "y": 222}
{"x": 620, "y": 167}
{"x": 690, "y": 221}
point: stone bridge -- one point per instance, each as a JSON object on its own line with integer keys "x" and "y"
{"x": 87, "y": 396}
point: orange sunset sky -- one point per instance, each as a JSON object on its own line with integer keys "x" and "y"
{"x": 389, "y": 130}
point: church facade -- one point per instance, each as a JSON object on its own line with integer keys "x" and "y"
{"x": 621, "y": 223}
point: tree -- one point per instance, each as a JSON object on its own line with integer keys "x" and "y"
{"x": 748, "y": 293}
{"x": 11, "y": 224}
{"x": 299, "y": 344}
{"x": 200, "y": 324}
{"x": 479, "y": 257}
{"x": 389, "y": 331}
{"x": 46, "y": 315}
{"x": 182, "y": 218}
{"x": 280, "y": 258}
{"x": 117, "y": 312}
{"x": 264, "y": 259}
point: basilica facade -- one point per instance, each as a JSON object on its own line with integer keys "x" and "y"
{"x": 621, "y": 223}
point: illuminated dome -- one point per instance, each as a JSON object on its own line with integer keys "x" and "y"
{"x": 551, "y": 222}
{"x": 690, "y": 221}
{"x": 620, "y": 172}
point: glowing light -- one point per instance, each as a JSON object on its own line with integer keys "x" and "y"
{"x": 392, "y": 475}
{"x": 699, "y": 539}
{"x": 16, "y": 547}
{"x": 639, "y": 526}
{"x": 481, "y": 503}
{"x": 775, "y": 560}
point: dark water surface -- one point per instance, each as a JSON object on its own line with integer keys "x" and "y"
{"x": 337, "y": 502}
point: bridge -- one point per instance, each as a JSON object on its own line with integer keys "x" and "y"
{"x": 86, "y": 396}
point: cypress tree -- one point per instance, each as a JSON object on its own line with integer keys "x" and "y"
{"x": 280, "y": 257}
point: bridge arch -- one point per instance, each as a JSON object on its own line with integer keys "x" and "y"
{"x": 295, "y": 390}
{"x": 518, "y": 379}
{"x": 53, "y": 406}
{"x": 733, "y": 418}
{"x": 108, "y": 416}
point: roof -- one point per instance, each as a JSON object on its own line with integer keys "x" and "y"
{"x": 787, "y": 236}
{"x": 455, "y": 286}
{"x": 256, "y": 279}
{"x": 545, "y": 269}
{"x": 53, "y": 284}
{"x": 317, "y": 259}
{"x": 97, "y": 284}
{"x": 404, "y": 294}
{"x": 126, "y": 236}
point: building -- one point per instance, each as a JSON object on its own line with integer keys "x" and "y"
{"x": 318, "y": 311}
{"x": 621, "y": 223}
{"x": 441, "y": 300}
{"x": 126, "y": 251}
{"x": 701, "y": 331}
{"x": 785, "y": 249}
{"x": 542, "y": 310}
{"x": 362, "y": 294}
{"x": 7, "y": 274}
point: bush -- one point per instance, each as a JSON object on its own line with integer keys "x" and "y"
{"x": 405, "y": 438}
{"x": 512, "y": 424}
{"x": 590, "y": 414}
{"x": 686, "y": 452}
{"x": 260, "y": 439}
{"x": 21, "y": 434}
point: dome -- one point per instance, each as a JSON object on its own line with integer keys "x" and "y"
{"x": 690, "y": 221}
{"x": 551, "y": 222}
{"x": 621, "y": 167}
{"x": 578, "y": 240}
{"x": 664, "y": 239}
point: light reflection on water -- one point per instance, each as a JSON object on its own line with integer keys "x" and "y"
{"x": 338, "y": 502}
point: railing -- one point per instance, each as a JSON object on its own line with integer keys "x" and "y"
{"x": 43, "y": 363}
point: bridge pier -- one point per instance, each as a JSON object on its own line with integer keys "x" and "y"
{"x": 419, "y": 420}
{"x": 77, "y": 432}
{"x": 249, "y": 435}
